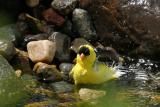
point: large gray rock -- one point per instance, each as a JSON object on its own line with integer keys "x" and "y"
{"x": 82, "y": 24}
{"x": 11, "y": 88}
{"x": 6, "y": 68}
{"x": 63, "y": 43}
{"x": 129, "y": 26}
{"x": 64, "y": 6}
{"x": 10, "y": 32}
{"x": 66, "y": 28}
{"x": 7, "y": 49}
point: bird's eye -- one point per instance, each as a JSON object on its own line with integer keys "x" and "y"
{"x": 84, "y": 50}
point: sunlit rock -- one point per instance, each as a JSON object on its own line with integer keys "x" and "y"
{"x": 90, "y": 94}
{"x": 41, "y": 51}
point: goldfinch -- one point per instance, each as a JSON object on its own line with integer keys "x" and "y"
{"x": 87, "y": 70}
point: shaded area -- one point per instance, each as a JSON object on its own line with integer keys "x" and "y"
{"x": 129, "y": 26}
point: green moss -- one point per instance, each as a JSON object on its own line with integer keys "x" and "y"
{"x": 12, "y": 92}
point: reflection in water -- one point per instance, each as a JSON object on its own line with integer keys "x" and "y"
{"x": 131, "y": 89}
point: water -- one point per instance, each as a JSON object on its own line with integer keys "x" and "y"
{"x": 137, "y": 86}
{"x": 132, "y": 89}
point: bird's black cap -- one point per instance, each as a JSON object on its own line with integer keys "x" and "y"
{"x": 84, "y": 50}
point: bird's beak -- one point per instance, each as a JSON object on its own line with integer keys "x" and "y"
{"x": 82, "y": 56}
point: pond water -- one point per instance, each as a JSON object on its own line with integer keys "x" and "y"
{"x": 132, "y": 89}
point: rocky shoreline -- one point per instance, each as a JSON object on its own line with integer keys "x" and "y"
{"x": 43, "y": 42}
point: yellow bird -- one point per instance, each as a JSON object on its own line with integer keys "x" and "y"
{"x": 87, "y": 70}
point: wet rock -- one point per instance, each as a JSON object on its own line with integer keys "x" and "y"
{"x": 90, "y": 94}
{"x": 66, "y": 28}
{"x": 144, "y": 29}
{"x": 64, "y": 6}
{"x": 10, "y": 32}
{"x": 6, "y": 68}
{"x": 62, "y": 87}
{"x": 29, "y": 38}
{"x": 66, "y": 104}
{"x": 48, "y": 103}
{"x": 112, "y": 31}
{"x": 65, "y": 68}
{"x": 47, "y": 73}
{"x": 8, "y": 86}
{"x": 43, "y": 91}
{"x": 21, "y": 61}
{"x": 29, "y": 82}
{"x": 128, "y": 26}
{"x": 51, "y": 15}
{"x": 76, "y": 43}
{"x": 48, "y": 29}
{"x": 62, "y": 46}
{"x": 41, "y": 51}
{"x": 68, "y": 97}
{"x": 35, "y": 24}
{"x": 82, "y": 24}
{"x": 32, "y": 3}
{"x": 23, "y": 27}
{"x": 7, "y": 49}
{"x": 155, "y": 99}
{"x": 105, "y": 54}
{"x": 84, "y": 3}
